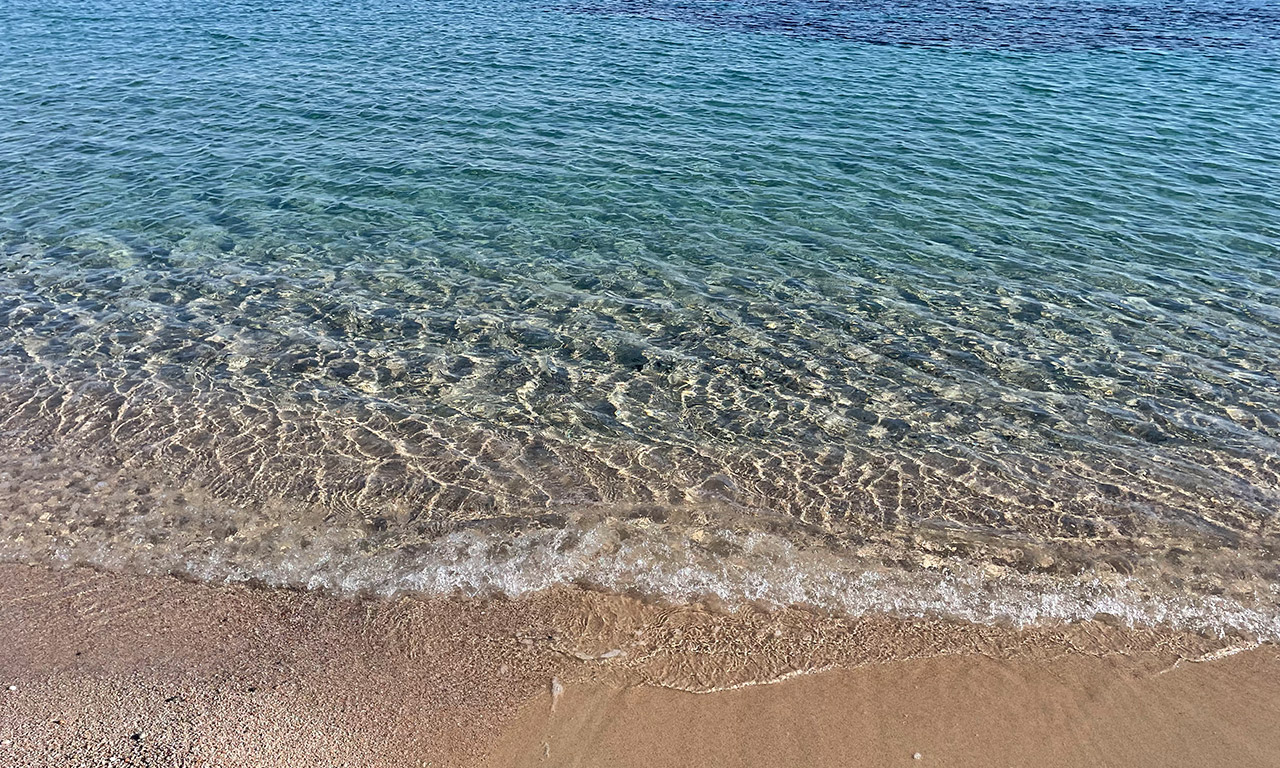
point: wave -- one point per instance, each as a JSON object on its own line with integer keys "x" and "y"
{"x": 672, "y": 563}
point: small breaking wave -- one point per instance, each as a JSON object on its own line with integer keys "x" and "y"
{"x": 638, "y": 557}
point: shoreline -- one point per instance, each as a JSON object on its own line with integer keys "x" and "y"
{"x": 154, "y": 670}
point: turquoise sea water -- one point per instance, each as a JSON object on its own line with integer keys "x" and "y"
{"x": 919, "y": 306}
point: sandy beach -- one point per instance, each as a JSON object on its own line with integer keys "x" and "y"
{"x": 108, "y": 669}
{"x": 639, "y": 384}
{"x": 955, "y": 711}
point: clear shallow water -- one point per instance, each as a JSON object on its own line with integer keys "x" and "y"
{"x": 922, "y": 307}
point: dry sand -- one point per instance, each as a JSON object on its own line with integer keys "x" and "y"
{"x": 132, "y": 670}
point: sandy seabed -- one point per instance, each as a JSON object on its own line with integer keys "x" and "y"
{"x": 100, "y": 669}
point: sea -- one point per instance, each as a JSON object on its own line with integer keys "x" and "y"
{"x": 958, "y": 308}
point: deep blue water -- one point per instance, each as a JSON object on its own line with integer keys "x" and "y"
{"x": 296, "y": 286}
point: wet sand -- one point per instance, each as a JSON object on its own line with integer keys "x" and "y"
{"x": 954, "y": 711}
{"x": 134, "y": 670}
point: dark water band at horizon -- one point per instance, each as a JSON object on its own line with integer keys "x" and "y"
{"x": 498, "y": 295}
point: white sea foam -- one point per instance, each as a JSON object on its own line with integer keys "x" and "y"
{"x": 655, "y": 561}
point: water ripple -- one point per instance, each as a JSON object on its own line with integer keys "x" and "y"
{"x": 296, "y": 286}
